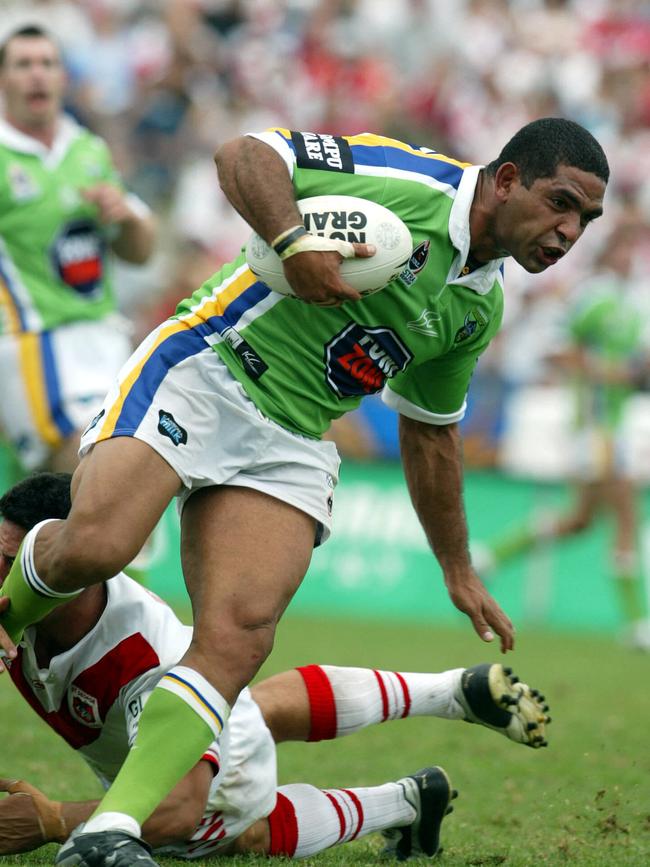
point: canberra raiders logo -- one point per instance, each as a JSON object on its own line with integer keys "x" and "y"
{"x": 474, "y": 321}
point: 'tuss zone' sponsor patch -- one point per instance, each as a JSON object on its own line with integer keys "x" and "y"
{"x": 329, "y": 152}
{"x": 360, "y": 359}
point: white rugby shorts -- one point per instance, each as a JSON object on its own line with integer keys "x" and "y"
{"x": 54, "y": 382}
{"x": 177, "y": 395}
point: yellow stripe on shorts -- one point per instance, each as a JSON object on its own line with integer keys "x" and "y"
{"x": 31, "y": 363}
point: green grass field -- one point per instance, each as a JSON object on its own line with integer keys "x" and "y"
{"x": 583, "y": 801}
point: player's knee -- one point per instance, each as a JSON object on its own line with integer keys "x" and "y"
{"x": 229, "y": 656}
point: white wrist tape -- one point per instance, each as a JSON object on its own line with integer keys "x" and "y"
{"x": 308, "y": 243}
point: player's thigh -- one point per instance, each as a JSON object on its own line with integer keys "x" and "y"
{"x": 244, "y": 555}
{"x": 120, "y": 490}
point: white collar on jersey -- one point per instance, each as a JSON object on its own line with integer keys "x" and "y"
{"x": 482, "y": 279}
{"x": 67, "y": 131}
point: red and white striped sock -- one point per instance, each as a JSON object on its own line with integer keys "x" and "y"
{"x": 344, "y": 700}
{"x": 307, "y": 820}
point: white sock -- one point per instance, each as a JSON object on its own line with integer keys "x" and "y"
{"x": 345, "y": 700}
{"x": 307, "y": 820}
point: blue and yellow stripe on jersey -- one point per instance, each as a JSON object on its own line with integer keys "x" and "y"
{"x": 376, "y": 151}
{"x": 179, "y": 339}
{"x": 41, "y": 382}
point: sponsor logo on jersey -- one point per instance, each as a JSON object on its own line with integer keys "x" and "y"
{"x": 169, "y": 427}
{"x": 474, "y": 321}
{"x": 253, "y": 363}
{"x": 77, "y": 256}
{"x": 329, "y": 152}
{"x": 359, "y": 360}
{"x": 415, "y": 264}
{"x": 22, "y": 185}
{"x": 84, "y": 707}
{"x": 425, "y": 323}
{"x": 95, "y": 421}
{"x": 339, "y": 225}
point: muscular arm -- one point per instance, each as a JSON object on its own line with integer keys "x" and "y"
{"x": 28, "y": 820}
{"x": 432, "y": 460}
{"x": 256, "y": 182}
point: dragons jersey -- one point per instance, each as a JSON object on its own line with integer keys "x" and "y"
{"x": 53, "y": 252}
{"x": 87, "y": 693}
{"x": 417, "y": 340}
{"x": 605, "y": 322}
{"x": 93, "y": 694}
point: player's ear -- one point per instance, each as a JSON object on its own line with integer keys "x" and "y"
{"x": 507, "y": 176}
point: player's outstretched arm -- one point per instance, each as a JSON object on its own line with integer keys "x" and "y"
{"x": 29, "y": 819}
{"x": 432, "y": 460}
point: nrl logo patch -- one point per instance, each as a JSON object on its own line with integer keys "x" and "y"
{"x": 84, "y": 707}
{"x": 474, "y": 321}
{"x": 415, "y": 264}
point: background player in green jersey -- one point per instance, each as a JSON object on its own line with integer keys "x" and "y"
{"x": 223, "y": 405}
{"x": 62, "y": 209}
{"x": 606, "y": 357}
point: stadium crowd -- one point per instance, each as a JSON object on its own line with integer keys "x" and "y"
{"x": 166, "y": 82}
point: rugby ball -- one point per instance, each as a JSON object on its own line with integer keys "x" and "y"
{"x": 346, "y": 218}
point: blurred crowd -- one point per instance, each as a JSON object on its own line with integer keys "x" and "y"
{"x": 166, "y": 81}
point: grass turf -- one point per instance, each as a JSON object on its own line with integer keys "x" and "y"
{"x": 583, "y": 801}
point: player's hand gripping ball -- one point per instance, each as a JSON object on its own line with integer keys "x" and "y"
{"x": 346, "y": 219}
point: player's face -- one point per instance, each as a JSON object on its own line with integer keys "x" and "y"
{"x": 538, "y": 225}
{"x": 11, "y": 535}
{"x": 33, "y": 80}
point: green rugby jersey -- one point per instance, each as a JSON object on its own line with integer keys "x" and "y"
{"x": 605, "y": 321}
{"x": 418, "y": 339}
{"x": 53, "y": 251}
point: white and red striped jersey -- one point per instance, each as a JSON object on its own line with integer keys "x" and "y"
{"x": 92, "y": 696}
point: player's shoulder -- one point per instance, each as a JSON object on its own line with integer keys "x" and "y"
{"x": 318, "y": 144}
{"x": 129, "y": 599}
{"x": 134, "y": 610}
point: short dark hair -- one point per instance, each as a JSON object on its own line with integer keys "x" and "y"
{"x": 39, "y": 496}
{"x": 29, "y": 31}
{"x": 543, "y": 145}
